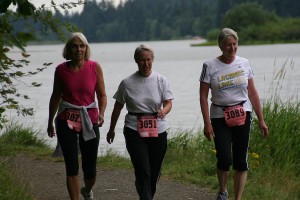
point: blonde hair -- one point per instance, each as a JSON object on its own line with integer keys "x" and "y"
{"x": 140, "y": 48}
{"x": 225, "y": 33}
{"x": 67, "y": 48}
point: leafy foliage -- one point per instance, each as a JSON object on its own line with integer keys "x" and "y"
{"x": 247, "y": 14}
{"x": 12, "y": 71}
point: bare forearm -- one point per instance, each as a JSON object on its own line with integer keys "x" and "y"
{"x": 102, "y": 103}
{"x": 257, "y": 106}
{"x": 167, "y": 106}
{"x": 53, "y": 106}
{"x": 203, "y": 91}
{"x": 204, "y": 110}
{"x": 114, "y": 119}
{"x": 115, "y": 115}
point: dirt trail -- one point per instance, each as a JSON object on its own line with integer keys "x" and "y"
{"x": 46, "y": 179}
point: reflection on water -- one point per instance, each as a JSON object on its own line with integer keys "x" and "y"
{"x": 178, "y": 61}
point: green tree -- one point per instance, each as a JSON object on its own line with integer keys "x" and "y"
{"x": 246, "y": 14}
{"x": 13, "y": 72}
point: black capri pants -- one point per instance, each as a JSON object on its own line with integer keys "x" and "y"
{"x": 232, "y": 144}
{"x": 68, "y": 140}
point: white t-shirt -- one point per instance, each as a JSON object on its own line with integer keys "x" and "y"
{"x": 144, "y": 95}
{"x": 228, "y": 83}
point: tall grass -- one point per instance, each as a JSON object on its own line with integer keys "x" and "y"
{"x": 18, "y": 137}
{"x": 277, "y": 166}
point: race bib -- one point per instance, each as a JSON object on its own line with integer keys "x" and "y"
{"x": 235, "y": 115}
{"x": 73, "y": 119}
{"x": 147, "y": 126}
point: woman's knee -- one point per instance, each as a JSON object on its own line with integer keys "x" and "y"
{"x": 224, "y": 163}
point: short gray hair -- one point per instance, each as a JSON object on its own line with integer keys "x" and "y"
{"x": 225, "y": 33}
{"x": 66, "y": 51}
{"x": 140, "y": 48}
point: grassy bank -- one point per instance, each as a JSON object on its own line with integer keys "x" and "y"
{"x": 274, "y": 163}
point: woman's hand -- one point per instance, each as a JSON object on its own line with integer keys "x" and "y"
{"x": 264, "y": 129}
{"x": 110, "y": 136}
{"x": 100, "y": 121}
{"x": 167, "y": 106}
{"x": 51, "y": 130}
{"x": 161, "y": 113}
{"x": 209, "y": 132}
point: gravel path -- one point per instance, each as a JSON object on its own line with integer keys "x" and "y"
{"x": 46, "y": 179}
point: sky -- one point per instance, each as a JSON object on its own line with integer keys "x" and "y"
{"x": 38, "y": 3}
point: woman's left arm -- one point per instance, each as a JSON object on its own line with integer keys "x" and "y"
{"x": 101, "y": 94}
{"x": 254, "y": 99}
{"x": 167, "y": 106}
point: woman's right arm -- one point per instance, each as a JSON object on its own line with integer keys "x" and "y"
{"x": 113, "y": 122}
{"x": 208, "y": 130}
{"x": 53, "y": 105}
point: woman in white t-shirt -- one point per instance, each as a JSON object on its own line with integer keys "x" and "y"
{"x": 233, "y": 94}
{"x": 148, "y": 98}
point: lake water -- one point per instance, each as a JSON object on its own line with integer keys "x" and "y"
{"x": 177, "y": 60}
